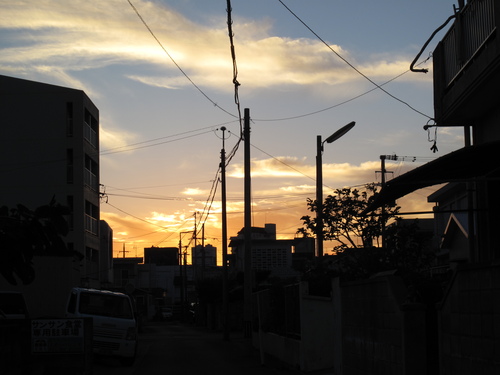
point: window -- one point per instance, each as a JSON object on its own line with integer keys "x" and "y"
{"x": 69, "y": 166}
{"x": 69, "y": 203}
{"x": 105, "y": 305}
{"x": 69, "y": 119}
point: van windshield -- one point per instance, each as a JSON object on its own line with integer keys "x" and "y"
{"x": 105, "y": 305}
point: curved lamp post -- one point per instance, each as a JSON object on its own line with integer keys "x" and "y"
{"x": 319, "y": 183}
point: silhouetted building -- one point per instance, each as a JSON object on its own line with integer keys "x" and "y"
{"x": 105, "y": 253}
{"x": 204, "y": 256}
{"x": 50, "y": 149}
{"x": 268, "y": 253}
{"x": 161, "y": 256}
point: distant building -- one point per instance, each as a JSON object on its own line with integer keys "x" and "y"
{"x": 161, "y": 256}
{"x": 126, "y": 272}
{"x": 268, "y": 253}
{"x": 153, "y": 285}
{"x": 105, "y": 253}
{"x": 50, "y": 149}
{"x": 204, "y": 256}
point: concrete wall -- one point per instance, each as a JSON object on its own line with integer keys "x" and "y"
{"x": 381, "y": 334}
{"x": 317, "y": 331}
{"x": 287, "y": 350}
{"x": 469, "y": 322}
{"x": 365, "y": 327}
{"x": 48, "y": 294}
{"x": 314, "y": 350}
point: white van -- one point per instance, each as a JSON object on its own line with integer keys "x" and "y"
{"x": 114, "y": 324}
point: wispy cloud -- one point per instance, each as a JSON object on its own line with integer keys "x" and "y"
{"x": 292, "y": 167}
{"x": 58, "y": 39}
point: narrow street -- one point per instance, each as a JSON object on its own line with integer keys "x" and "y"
{"x": 173, "y": 348}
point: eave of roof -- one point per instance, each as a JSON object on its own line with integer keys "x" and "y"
{"x": 461, "y": 165}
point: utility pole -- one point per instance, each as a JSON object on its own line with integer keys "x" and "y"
{"x": 194, "y": 231}
{"x": 123, "y": 250}
{"x": 247, "y": 288}
{"x": 202, "y": 251}
{"x": 183, "y": 275}
{"x": 319, "y": 197}
{"x": 225, "y": 295}
{"x": 383, "y": 172}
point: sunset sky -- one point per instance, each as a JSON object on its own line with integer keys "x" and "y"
{"x": 161, "y": 74}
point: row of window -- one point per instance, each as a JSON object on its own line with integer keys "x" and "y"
{"x": 90, "y": 131}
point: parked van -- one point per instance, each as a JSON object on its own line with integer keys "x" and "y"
{"x": 114, "y": 324}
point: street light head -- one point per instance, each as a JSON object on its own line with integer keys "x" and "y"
{"x": 339, "y": 133}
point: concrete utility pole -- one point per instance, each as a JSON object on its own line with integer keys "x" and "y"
{"x": 225, "y": 296}
{"x": 183, "y": 275}
{"x": 383, "y": 172}
{"x": 247, "y": 288}
{"x": 319, "y": 197}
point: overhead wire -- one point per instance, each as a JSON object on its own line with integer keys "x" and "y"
{"x": 236, "y": 83}
{"x": 130, "y": 147}
{"x": 146, "y": 146}
{"x": 237, "y": 101}
{"x": 209, "y": 202}
{"x": 132, "y": 189}
{"x": 135, "y": 217}
{"x": 343, "y": 102}
{"x": 175, "y": 63}
{"x": 377, "y": 86}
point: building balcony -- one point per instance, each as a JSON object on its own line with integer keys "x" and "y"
{"x": 91, "y": 180}
{"x": 91, "y": 224}
{"x": 467, "y": 65}
{"x": 90, "y": 134}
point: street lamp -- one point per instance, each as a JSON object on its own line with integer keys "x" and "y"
{"x": 319, "y": 183}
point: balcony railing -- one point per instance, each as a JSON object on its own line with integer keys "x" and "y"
{"x": 91, "y": 224}
{"x": 90, "y": 134}
{"x": 472, "y": 29}
{"x": 91, "y": 180}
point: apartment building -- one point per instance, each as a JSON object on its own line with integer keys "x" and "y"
{"x": 50, "y": 150}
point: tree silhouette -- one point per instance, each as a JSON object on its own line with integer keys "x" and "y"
{"x": 343, "y": 220}
{"x": 25, "y": 233}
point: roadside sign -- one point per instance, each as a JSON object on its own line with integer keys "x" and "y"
{"x": 57, "y": 336}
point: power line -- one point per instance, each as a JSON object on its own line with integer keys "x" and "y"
{"x": 146, "y": 196}
{"x": 146, "y": 146}
{"x": 175, "y": 63}
{"x": 341, "y": 103}
{"x": 129, "y": 146}
{"x": 135, "y": 217}
{"x": 235, "y": 81}
{"x": 352, "y": 66}
{"x": 210, "y": 200}
{"x": 282, "y": 162}
{"x": 131, "y": 189}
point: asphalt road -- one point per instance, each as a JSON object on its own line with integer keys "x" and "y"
{"x": 177, "y": 349}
